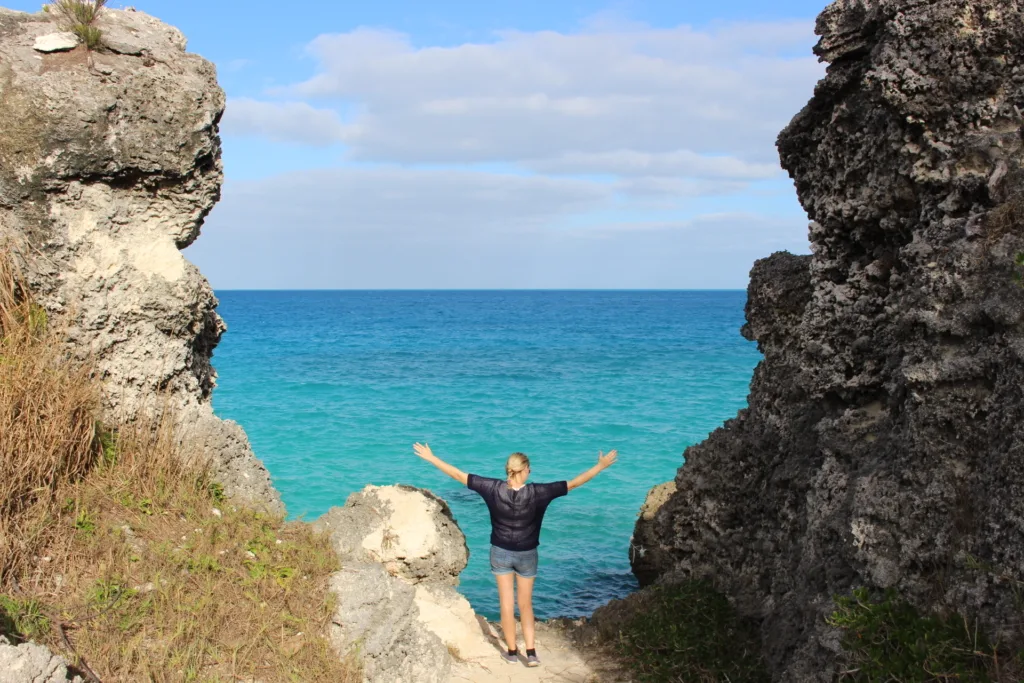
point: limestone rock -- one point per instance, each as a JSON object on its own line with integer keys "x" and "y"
{"x": 56, "y": 42}
{"x": 410, "y": 531}
{"x": 398, "y": 609}
{"x": 402, "y": 553}
{"x": 883, "y": 439}
{"x": 377, "y": 618}
{"x": 107, "y": 171}
{"x": 135, "y": 33}
{"x": 31, "y": 663}
{"x": 646, "y": 553}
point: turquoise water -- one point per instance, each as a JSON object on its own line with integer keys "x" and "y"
{"x": 333, "y": 388}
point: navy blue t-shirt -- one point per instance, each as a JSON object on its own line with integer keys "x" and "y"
{"x": 516, "y": 515}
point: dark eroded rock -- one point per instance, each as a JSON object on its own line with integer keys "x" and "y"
{"x": 882, "y": 443}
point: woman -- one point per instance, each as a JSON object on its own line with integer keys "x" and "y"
{"x": 517, "y": 510}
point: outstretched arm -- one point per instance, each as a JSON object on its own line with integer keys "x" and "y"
{"x": 423, "y": 450}
{"x": 604, "y": 460}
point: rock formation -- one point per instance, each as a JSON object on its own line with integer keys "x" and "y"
{"x": 109, "y": 163}
{"x": 31, "y": 663}
{"x": 402, "y": 553}
{"x": 883, "y": 445}
{"x": 397, "y": 606}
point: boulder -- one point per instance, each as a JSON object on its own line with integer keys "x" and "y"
{"x": 408, "y": 530}
{"x": 31, "y": 663}
{"x": 56, "y": 42}
{"x": 647, "y": 556}
{"x": 377, "y": 619}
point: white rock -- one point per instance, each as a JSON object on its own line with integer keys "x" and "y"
{"x": 31, "y": 663}
{"x": 410, "y": 531}
{"x": 56, "y": 42}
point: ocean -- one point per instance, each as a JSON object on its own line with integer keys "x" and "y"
{"x": 334, "y": 387}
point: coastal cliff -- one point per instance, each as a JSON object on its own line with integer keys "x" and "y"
{"x": 882, "y": 446}
{"x": 109, "y": 163}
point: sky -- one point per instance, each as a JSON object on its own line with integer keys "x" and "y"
{"x": 456, "y": 144}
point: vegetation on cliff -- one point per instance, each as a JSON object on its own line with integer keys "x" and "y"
{"x": 681, "y": 631}
{"x": 123, "y": 554}
{"x": 79, "y": 17}
{"x": 887, "y": 639}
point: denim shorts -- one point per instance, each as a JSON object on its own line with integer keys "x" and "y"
{"x": 522, "y": 562}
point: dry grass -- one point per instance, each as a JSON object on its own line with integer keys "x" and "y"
{"x": 125, "y": 556}
{"x": 48, "y": 434}
{"x": 1007, "y": 217}
{"x": 77, "y": 11}
{"x": 78, "y": 17}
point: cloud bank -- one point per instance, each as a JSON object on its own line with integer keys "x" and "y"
{"x": 598, "y": 158}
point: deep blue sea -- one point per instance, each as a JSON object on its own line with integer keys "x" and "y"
{"x": 334, "y": 387}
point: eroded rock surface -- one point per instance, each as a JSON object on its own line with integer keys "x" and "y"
{"x": 109, "y": 163}
{"x": 398, "y": 609}
{"x": 408, "y": 530}
{"x": 31, "y": 663}
{"x": 646, "y": 552}
{"x": 402, "y": 553}
{"x": 883, "y": 441}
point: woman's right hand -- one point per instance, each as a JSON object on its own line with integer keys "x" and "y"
{"x": 423, "y": 451}
{"x": 605, "y": 460}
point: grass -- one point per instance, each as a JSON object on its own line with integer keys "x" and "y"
{"x": 48, "y": 430}
{"x": 887, "y": 639}
{"x": 79, "y": 17}
{"x": 689, "y": 632}
{"x": 124, "y": 555}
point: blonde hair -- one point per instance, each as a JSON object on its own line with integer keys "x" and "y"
{"x": 516, "y": 463}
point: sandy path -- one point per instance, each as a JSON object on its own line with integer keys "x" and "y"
{"x": 561, "y": 661}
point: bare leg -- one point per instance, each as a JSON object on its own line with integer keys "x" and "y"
{"x": 524, "y": 586}
{"x": 506, "y": 597}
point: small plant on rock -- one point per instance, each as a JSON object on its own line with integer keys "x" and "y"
{"x": 79, "y": 17}
{"x": 689, "y": 632}
{"x": 888, "y": 640}
{"x": 22, "y": 620}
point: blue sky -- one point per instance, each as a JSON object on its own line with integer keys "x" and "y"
{"x": 526, "y": 144}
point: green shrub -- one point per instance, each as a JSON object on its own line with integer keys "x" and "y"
{"x": 689, "y": 632}
{"x": 23, "y": 619}
{"x": 888, "y": 640}
{"x": 89, "y": 35}
{"x": 78, "y": 17}
{"x": 85, "y": 523}
{"x": 216, "y": 491}
{"x": 108, "y": 445}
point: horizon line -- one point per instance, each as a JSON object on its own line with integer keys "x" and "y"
{"x": 481, "y": 289}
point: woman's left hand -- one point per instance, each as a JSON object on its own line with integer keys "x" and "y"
{"x": 423, "y": 451}
{"x": 606, "y": 460}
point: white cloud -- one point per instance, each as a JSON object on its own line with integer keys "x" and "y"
{"x": 394, "y": 227}
{"x": 635, "y": 157}
{"x": 410, "y": 202}
{"x": 528, "y": 96}
{"x": 283, "y": 122}
{"x": 235, "y": 65}
{"x": 676, "y": 163}
{"x": 678, "y": 189}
